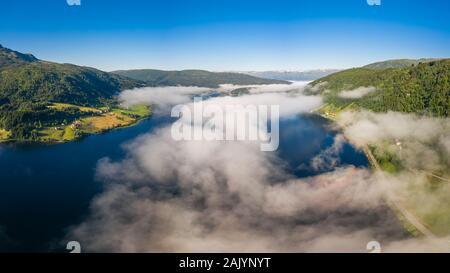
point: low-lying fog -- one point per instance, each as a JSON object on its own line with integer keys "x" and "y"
{"x": 213, "y": 196}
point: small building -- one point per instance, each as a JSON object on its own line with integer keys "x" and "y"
{"x": 76, "y": 124}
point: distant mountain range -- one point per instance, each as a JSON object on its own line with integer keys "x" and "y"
{"x": 200, "y": 78}
{"x": 311, "y": 75}
{"x": 308, "y": 75}
{"x": 29, "y": 87}
{"x": 24, "y": 78}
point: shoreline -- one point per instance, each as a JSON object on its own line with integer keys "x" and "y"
{"x": 48, "y": 143}
{"x": 82, "y": 134}
{"x": 410, "y": 223}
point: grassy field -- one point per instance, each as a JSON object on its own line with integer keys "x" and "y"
{"x": 69, "y": 133}
{"x": 63, "y": 106}
{"x": 4, "y": 135}
{"x": 51, "y": 134}
{"x": 136, "y": 110}
{"x": 105, "y": 122}
{"x": 104, "y": 119}
{"x": 331, "y": 111}
{"x": 386, "y": 155}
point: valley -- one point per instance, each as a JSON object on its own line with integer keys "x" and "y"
{"x": 98, "y": 121}
{"x": 421, "y": 90}
{"x": 43, "y": 101}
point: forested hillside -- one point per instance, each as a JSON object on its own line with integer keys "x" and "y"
{"x": 422, "y": 88}
{"x": 28, "y": 86}
{"x": 308, "y": 75}
{"x": 10, "y": 58}
{"x": 399, "y": 63}
{"x": 193, "y": 78}
{"x": 44, "y": 100}
{"x": 44, "y": 81}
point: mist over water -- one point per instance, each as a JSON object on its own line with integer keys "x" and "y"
{"x": 314, "y": 194}
{"x": 46, "y": 189}
{"x": 114, "y": 191}
{"x": 302, "y": 136}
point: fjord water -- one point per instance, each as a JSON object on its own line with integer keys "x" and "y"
{"x": 46, "y": 189}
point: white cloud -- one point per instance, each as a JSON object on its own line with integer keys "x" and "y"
{"x": 212, "y": 196}
{"x": 168, "y": 196}
{"x": 288, "y": 96}
{"x": 73, "y": 2}
{"x": 316, "y": 88}
{"x": 424, "y": 140}
{"x": 163, "y": 97}
{"x": 215, "y": 196}
{"x": 290, "y": 104}
{"x": 357, "y": 93}
{"x": 330, "y": 157}
{"x": 298, "y": 86}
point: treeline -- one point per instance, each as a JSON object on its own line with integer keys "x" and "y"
{"x": 24, "y": 121}
{"x": 43, "y": 82}
{"x": 422, "y": 88}
{"x": 194, "y": 78}
{"x": 26, "y": 91}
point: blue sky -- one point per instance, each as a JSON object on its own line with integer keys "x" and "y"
{"x": 226, "y": 35}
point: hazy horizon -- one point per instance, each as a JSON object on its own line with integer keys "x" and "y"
{"x": 280, "y": 70}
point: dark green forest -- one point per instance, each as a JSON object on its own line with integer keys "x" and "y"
{"x": 44, "y": 81}
{"x": 28, "y": 86}
{"x": 24, "y": 121}
{"x": 193, "y": 78}
{"x": 422, "y": 88}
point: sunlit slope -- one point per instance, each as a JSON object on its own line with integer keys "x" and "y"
{"x": 28, "y": 86}
{"x": 422, "y": 88}
{"x": 399, "y": 63}
{"x": 10, "y": 58}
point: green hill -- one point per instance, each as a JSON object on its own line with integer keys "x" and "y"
{"x": 193, "y": 78}
{"x": 10, "y": 58}
{"x": 37, "y": 98}
{"x": 28, "y": 87}
{"x": 423, "y": 88}
{"x": 44, "y": 81}
{"x": 400, "y": 63}
{"x": 308, "y": 75}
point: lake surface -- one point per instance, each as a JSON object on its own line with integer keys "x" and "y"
{"x": 45, "y": 189}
